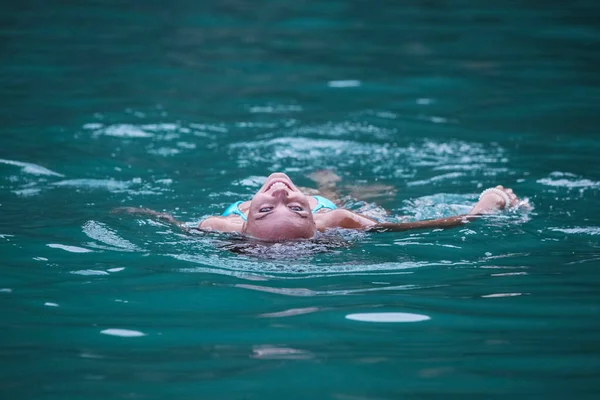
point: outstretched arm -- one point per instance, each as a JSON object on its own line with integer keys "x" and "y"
{"x": 218, "y": 224}
{"x": 490, "y": 201}
{"x": 161, "y": 216}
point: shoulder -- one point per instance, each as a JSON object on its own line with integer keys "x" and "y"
{"x": 222, "y": 224}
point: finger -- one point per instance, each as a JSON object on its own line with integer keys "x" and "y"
{"x": 500, "y": 187}
{"x": 508, "y": 190}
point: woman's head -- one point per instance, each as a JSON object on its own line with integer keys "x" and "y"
{"x": 280, "y": 211}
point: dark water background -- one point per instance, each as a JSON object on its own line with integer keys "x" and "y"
{"x": 186, "y": 106}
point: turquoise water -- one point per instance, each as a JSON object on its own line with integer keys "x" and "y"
{"x": 186, "y": 107}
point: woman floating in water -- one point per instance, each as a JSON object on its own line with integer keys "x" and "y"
{"x": 279, "y": 211}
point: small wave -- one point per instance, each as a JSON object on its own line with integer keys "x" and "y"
{"x": 568, "y": 180}
{"x": 450, "y": 175}
{"x": 268, "y": 352}
{"x": 122, "y": 131}
{"x": 438, "y": 206}
{"x": 292, "y": 266}
{"x": 303, "y": 292}
{"x": 133, "y": 187}
{"x": 27, "y": 192}
{"x": 388, "y": 317}
{"x": 109, "y": 184}
{"x": 578, "y": 230}
{"x": 99, "y": 231}
{"x": 90, "y": 272}
{"x": 164, "y": 151}
{"x": 30, "y": 168}
{"x": 122, "y": 332}
{"x": 275, "y": 109}
{"x": 344, "y": 83}
{"x": 70, "y": 249}
{"x": 382, "y": 159}
{"x": 251, "y": 181}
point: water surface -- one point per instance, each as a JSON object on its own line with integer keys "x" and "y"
{"x": 186, "y": 107}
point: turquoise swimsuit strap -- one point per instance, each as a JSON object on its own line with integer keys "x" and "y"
{"x": 234, "y": 209}
{"x": 322, "y": 202}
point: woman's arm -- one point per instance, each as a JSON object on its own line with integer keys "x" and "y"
{"x": 220, "y": 224}
{"x": 161, "y": 216}
{"x": 490, "y": 202}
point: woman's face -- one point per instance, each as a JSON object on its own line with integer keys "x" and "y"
{"x": 280, "y": 211}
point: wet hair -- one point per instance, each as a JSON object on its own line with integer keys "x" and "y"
{"x": 280, "y": 230}
{"x": 320, "y": 243}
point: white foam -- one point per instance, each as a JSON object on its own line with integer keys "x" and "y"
{"x": 122, "y": 332}
{"x": 279, "y": 353}
{"x": 251, "y": 181}
{"x": 125, "y": 131}
{"x": 290, "y": 312}
{"x": 70, "y": 249}
{"x": 48, "y": 304}
{"x": 27, "y": 192}
{"x": 318, "y": 147}
{"x": 161, "y": 127}
{"x": 92, "y": 125}
{"x": 344, "y": 83}
{"x": 567, "y": 180}
{"x": 89, "y": 272}
{"x": 387, "y": 317}
{"x": 212, "y": 128}
{"x": 493, "y": 295}
{"x": 164, "y": 151}
{"x": 109, "y": 184}
{"x": 586, "y": 230}
{"x": 272, "y": 109}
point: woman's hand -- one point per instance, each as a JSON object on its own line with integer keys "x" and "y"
{"x": 494, "y": 199}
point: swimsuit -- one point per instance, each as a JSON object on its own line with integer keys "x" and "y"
{"x": 322, "y": 202}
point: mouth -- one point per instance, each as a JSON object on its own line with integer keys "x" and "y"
{"x": 278, "y": 184}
